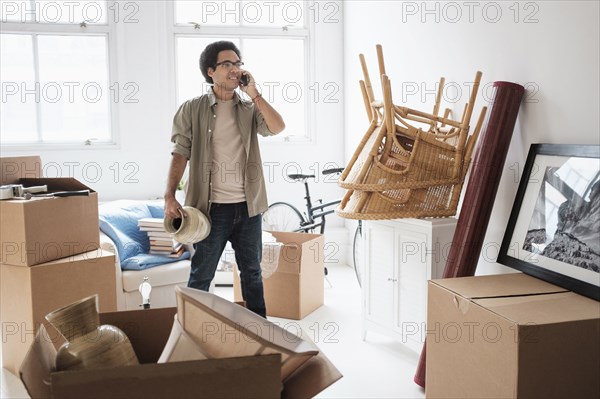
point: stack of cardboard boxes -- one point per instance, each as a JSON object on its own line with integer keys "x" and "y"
{"x": 36, "y": 280}
{"x": 49, "y": 256}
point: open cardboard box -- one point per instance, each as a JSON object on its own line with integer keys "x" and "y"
{"x": 511, "y": 336}
{"x": 43, "y": 229}
{"x": 297, "y": 287}
{"x": 148, "y": 331}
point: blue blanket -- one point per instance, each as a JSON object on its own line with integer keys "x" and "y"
{"x": 119, "y": 221}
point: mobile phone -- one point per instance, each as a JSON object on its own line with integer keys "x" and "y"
{"x": 244, "y": 79}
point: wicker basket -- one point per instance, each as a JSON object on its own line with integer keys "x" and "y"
{"x": 409, "y": 163}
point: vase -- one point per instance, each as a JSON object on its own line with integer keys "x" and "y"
{"x": 89, "y": 345}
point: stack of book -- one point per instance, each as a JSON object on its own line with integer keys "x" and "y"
{"x": 161, "y": 242}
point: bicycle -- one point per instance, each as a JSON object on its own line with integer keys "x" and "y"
{"x": 283, "y": 216}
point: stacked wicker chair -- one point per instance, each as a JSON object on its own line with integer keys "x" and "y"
{"x": 409, "y": 164}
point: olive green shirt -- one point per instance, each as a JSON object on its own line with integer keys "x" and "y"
{"x": 193, "y": 125}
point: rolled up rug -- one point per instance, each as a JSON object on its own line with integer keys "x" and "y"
{"x": 481, "y": 190}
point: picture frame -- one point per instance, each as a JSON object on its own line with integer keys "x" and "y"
{"x": 553, "y": 232}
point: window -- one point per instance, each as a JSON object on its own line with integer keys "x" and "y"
{"x": 273, "y": 38}
{"x": 55, "y": 73}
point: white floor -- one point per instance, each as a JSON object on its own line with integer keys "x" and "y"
{"x": 377, "y": 367}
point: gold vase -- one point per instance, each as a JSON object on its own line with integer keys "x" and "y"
{"x": 89, "y": 345}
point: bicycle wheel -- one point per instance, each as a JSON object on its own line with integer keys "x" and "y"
{"x": 357, "y": 252}
{"x": 282, "y": 216}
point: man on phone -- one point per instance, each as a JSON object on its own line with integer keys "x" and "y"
{"x": 217, "y": 134}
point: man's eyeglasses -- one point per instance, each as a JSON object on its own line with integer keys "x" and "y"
{"x": 229, "y": 64}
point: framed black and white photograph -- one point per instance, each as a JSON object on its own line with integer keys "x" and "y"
{"x": 553, "y": 232}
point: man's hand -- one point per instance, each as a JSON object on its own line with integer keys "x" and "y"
{"x": 173, "y": 208}
{"x": 250, "y": 88}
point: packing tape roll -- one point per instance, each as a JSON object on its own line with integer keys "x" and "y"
{"x": 192, "y": 228}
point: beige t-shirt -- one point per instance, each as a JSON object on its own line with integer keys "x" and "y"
{"x": 229, "y": 157}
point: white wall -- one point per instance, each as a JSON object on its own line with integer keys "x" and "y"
{"x": 555, "y": 55}
{"x": 137, "y": 167}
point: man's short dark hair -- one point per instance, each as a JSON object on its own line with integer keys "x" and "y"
{"x": 209, "y": 56}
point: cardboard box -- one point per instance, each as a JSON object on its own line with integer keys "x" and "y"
{"x": 14, "y": 168}
{"x": 27, "y": 294}
{"x": 511, "y": 336}
{"x": 148, "y": 331}
{"x": 43, "y": 229}
{"x": 296, "y": 288}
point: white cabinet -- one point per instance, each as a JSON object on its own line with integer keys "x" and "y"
{"x": 400, "y": 256}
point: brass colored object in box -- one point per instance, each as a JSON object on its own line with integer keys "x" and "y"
{"x": 89, "y": 345}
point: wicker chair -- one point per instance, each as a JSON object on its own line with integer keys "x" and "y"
{"x": 409, "y": 163}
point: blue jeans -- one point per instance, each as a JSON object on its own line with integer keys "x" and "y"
{"x": 230, "y": 222}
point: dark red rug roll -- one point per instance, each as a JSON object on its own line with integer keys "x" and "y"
{"x": 481, "y": 191}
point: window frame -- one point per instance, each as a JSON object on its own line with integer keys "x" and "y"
{"x": 241, "y": 32}
{"x": 107, "y": 30}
